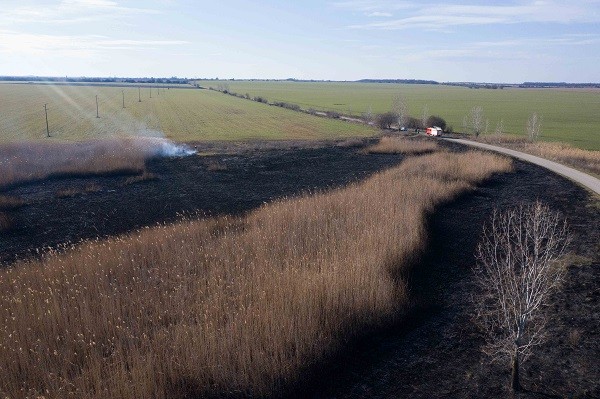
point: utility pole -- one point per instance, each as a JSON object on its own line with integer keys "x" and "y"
{"x": 150, "y": 91}
{"x": 47, "y": 128}
{"x": 97, "y": 113}
{"x": 123, "y": 92}
{"x": 158, "y": 90}
{"x": 139, "y": 94}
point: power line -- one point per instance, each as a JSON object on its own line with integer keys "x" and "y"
{"x": 47, "y": 127}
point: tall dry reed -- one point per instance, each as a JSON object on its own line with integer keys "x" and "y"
{"x": 26, "y": 161}
{"x": 401, "y": 145}
{"x": 224, "y": 305}
{"x": 585, "y": 160}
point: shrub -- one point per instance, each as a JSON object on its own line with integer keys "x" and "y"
{"x": 438, "y": 121}
{"x": 333, "y": 114}
{"x": 413, "y": 123}
{"x": 260, "y": 99}
{"x": 385, "y": 121}
{"x": 293, "y": 107}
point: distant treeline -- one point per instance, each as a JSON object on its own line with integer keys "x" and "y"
{"x": 471, "y": 85}
{"x": 83, "y": 79}
{"x": 560, "y": 84}
{"x": 405, "y": 81}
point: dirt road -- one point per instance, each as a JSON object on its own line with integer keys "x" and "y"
{"x": 584, "y": 179}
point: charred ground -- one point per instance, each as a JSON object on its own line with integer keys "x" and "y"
{"x": 431, "y": 352}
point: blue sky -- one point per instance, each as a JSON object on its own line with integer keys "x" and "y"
{"x": 509, "y": 41}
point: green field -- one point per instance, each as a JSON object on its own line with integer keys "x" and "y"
{"x": 568, "y": 115}
{"x": 178, "y": 114}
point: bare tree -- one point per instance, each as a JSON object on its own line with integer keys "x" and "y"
{"x": 400, "y": 108}
{"x": 367, "y": 117}
{"x": 516, "y": 272}
{"x": 534, "y": 126}
{"x": 476, "y": 120}
{"x": 425, "y": 115}
{"x": 499, "y": 128}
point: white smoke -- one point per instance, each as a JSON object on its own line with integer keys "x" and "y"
{"x": 155, "y": 146}
{"x": 167, "y": 148}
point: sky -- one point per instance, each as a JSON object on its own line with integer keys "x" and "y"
{"x": 462, "y": 40}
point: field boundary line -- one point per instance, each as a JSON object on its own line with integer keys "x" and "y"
{"x": 582, "y": 178}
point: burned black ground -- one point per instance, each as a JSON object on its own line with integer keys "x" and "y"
{"x": 431, "y": 352}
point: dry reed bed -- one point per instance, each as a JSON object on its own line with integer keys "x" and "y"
{"x": 398, "y": 145}
{"x": 26, "y": 161}
{"x": 586, "y": 160}
{"x": 224, "y": 305}
{"x": 8, "y": 202}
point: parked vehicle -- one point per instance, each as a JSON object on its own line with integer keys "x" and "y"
{"x": 434, "y": 131}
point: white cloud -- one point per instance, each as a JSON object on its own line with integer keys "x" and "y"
{"x": 379, "y": 14}
{"x": 441, "y": 16}
{"x": 16, "y": 43}
{"x": 373, "y": 6}
{"x": 69, "y": 12}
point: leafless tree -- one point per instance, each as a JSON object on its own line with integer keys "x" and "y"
{"x": 400, "y": 108}
{"x": 499, "y": 128}
{"x": 516, "y": 272}
{"x": 476, "y": 120}
{"x": 425, "y": 115}
{"x": 534, "y": 126}
{"x": 367, "y": 117}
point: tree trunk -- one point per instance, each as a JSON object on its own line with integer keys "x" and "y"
{"x": 515, "y": 384}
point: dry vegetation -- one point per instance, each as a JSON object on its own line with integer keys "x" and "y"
{"x": 9, "y": 202}
{"x": 399, "y": 145}
{"x": 73, "y": 192}
{"x": 26, "y": 161}
{"x": 6, "y": 222}
{"x": 586, "y": 160}
{"x": 224, "y": 305}
{"x": 144, "y": 177}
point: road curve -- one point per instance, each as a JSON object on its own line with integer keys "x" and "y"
{"x": 584, "y": 179}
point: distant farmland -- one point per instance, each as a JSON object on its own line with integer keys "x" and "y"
{"x": 178, "y": 114}
{"x": 569, "y": 115}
